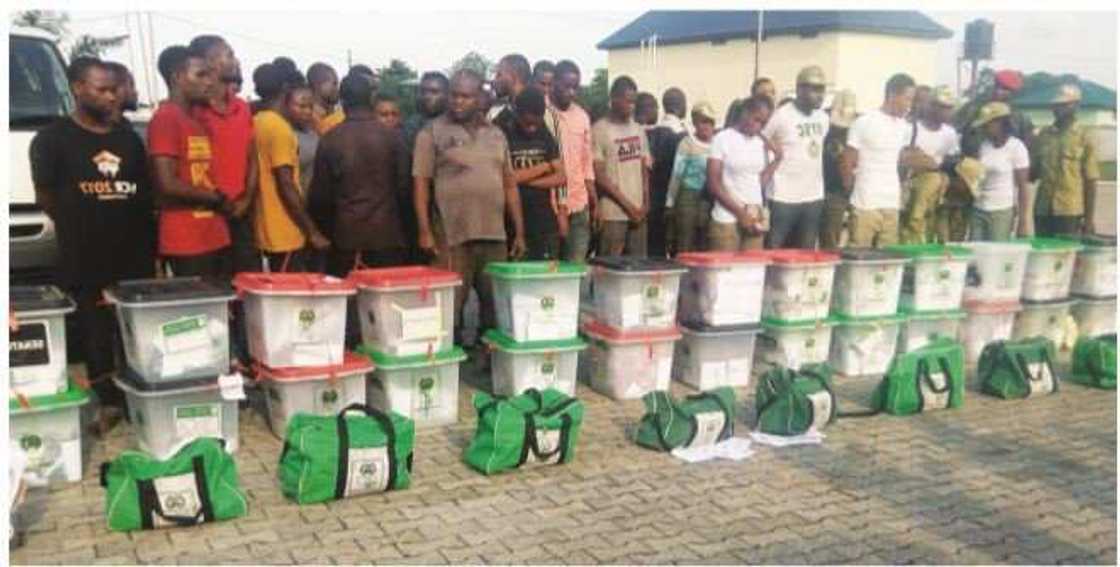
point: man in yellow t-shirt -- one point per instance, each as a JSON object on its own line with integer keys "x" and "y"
{"x": 283, "y": 226}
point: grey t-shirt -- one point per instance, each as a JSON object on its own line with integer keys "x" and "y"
{"x": 625, "y": 151}
{"x": 468, "y": 168}
{"x": 308, "y": 144}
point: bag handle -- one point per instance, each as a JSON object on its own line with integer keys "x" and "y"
{"x": 768, "y": 380}
{"x": 344, "y": 446}
{"x": 833, "y": 413}
{"x": 1021, "y": 360}
{"x": 150, "y": 503}
{"x": 924, "y": 375}
{"x": 659, "y": 424}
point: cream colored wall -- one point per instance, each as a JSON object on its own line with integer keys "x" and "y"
{"x": 866, "y": 61}
{"x": 716, "y": 73}
{"x": 721, "y": 73}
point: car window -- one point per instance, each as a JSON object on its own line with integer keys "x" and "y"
{"x": 38, "y": 90}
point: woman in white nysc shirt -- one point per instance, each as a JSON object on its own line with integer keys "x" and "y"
{"x": 1006, "y": 174}
{"x": 737, "y": 171}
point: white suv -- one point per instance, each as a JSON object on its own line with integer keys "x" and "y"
{"x": 39, "y": 94}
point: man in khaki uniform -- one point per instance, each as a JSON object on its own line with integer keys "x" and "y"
{"x": 952, "y": 215}
{"x": 932, "y": 134}
{"x": 1064, "y": 160}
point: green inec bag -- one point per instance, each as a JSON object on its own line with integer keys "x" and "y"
{"x": 534, "y": 427}
{"x": 791, "y": 402}
{"x": 695, "y": 421}
{"x": 1094, "y": 362}
{"x": 929, "y": 378}
{"x": 1018, "y": 369}
{"x": 361, "y": 450}
{"x": 198, "y": 484}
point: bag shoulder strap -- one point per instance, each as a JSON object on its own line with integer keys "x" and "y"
{"x": 386, "y": 424}
{"x": 150, "y": 503}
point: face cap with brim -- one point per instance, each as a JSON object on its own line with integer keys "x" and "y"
{"x": 812, "y": 75}
{"x": 971, "y": 172}
{"x": 991, "y": 111}
{"x": 703, "y": 109}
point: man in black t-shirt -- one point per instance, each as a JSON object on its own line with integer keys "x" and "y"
{"x": 539, "y": 171}
{"x": 91, "y": 177}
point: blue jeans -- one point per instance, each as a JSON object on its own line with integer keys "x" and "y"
{"x": 794, "y": 225}
{"x": 578, "y": 243}
{"x": 990, "y": 225}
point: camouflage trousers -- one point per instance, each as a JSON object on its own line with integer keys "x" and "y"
{"x": 919, "y": 216}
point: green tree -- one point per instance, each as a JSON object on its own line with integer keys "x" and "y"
{"x": 595, "y": 96}
{"x": 49, "y": 21}
{"x": 398, "y": 80}
{"x": 90, "y": 46}
{"x": 474, "y": 60}
{"x": 58, "y": 24}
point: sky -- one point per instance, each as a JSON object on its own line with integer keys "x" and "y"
{"x": 1082, "y": 43}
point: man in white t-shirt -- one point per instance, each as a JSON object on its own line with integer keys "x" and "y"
{"x": 870, "y": 163}
{"x": 798, "y": 129}
{"x": 931, "y": 134}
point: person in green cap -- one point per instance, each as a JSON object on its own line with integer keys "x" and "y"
{"x": 931, "y": 134}
{"x": 1064, "y": 160}
{"x": 1006, "y": 179}
{"x": 796, "y": 198}
{"x": 841, "y": 116}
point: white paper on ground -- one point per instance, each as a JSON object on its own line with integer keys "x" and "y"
{"x": 811, "y": 437}
{"x": 734, "y": 449}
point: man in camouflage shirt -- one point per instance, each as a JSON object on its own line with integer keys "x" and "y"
{"x": 1064, "y": 162}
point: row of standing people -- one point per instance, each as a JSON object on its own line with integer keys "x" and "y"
{"x": 461, "y": 185}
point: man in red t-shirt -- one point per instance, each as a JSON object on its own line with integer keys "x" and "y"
{"x": 193, "y": 234}
{"x": 229, "y": 123}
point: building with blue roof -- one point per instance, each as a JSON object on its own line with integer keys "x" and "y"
{"x": 711, "y": 53}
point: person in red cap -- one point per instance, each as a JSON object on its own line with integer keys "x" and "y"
{"x": 999, "y": 86}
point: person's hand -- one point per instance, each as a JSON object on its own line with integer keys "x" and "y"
{"x": 318, "y": 241}
{"x": 747, "y": 218}
{"x": 1026, "y": 226}
{"x": 767, "y": 175}
{"x": 517, "y": 250}
{"x": 596, "y": 218}
{"x": 240, "y": 207}
{"x": 427, "y": 241}
{"x": 13, "y": 323}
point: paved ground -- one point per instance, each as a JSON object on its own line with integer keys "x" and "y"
{"x": 994, "y": 482}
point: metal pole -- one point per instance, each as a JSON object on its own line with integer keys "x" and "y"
{"x": 349, "y": 59}
{"x": 152, "y": 49}
{"x": 144, "y": 57}
{"x": 757, "y": 45}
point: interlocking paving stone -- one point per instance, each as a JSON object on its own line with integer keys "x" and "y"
{"x": 993, "y": 482}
